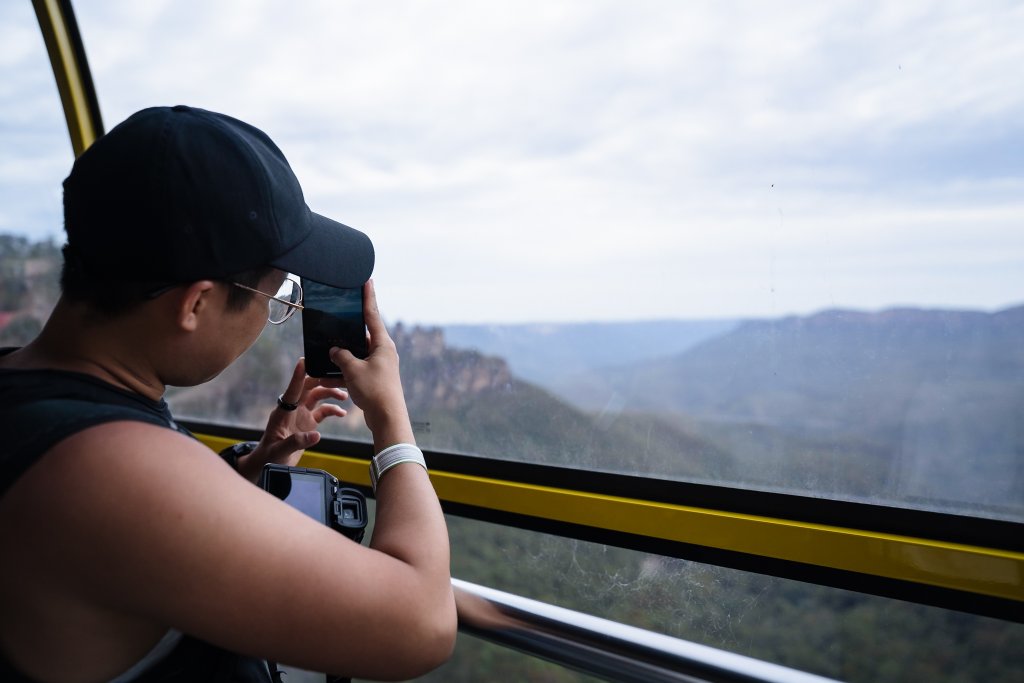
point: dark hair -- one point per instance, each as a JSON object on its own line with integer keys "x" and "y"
{"x": 239, "y": 298}
{"x": 112, "y": 297}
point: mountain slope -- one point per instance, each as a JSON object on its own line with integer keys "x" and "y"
{"x": 468, "y": 402}
{"x": 830, "y": 369}
{"x": 925, "y": 404}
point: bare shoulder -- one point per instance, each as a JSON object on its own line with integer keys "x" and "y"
{"x": 141, "y": 520}
{"x": 94, "y": 499}
{"x": 107, "y": 451}
{"x": 59, "y": 522}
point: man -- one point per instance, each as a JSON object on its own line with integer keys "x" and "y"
{"x": 131, "y": 551}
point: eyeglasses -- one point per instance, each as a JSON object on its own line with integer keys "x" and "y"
{"x": 283, "y": 304}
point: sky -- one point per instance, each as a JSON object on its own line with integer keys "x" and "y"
{"x": 581, "y": 161}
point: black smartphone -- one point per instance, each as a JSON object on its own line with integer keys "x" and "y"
{"x": 320, "y": 495}
{"x": 331, "y": 317}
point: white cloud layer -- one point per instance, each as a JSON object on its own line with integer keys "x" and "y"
{"x": 602, "y": 160}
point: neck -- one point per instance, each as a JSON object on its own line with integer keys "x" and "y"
{"x": 111, "y": 350}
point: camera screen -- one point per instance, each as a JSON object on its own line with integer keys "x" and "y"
{"x": 331, "y": 317}
{"x": 303, "y": 491}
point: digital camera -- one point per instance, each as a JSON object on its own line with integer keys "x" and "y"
{"x": 318, "y": 494}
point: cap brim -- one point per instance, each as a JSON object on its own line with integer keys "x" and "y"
{"x": 333, "y": 254}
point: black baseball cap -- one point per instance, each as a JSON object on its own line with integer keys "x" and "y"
{"x": 178, "y": 194}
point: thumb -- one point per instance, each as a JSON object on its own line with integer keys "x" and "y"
{"x": 341, "y": 357}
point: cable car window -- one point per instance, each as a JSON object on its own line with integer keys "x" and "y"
{"x": 773, "y": 248}
{"x": 769, "y": 246}
{"x": 34, "y": 157}
{"x": 767, "y": 249}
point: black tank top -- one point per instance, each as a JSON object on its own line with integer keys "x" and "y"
{"x": 38, "y": 409}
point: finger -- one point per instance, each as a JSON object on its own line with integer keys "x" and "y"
{"x": 297, "y": 383}
{"x": 332, "y": 382}
{"x": 299, "y": 441}
{"x": 322, "y": 394}
{"x": 371, "y": 312}
{"x": 343, "y": 358}
{"x": 327, "y": 410}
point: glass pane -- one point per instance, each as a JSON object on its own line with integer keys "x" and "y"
{"x": 35, "y": 150}
{"x": 35, "y": 155}
{"x": 761, "y": 246}
{"x": 773, "y": 248}
{"x": 767, "y": 246}
{"x": 841, "y": 634}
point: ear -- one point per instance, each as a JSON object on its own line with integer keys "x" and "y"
{"x": 192, "y": 302}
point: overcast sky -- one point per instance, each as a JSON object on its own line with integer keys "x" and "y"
{"x": 568, "y": 161}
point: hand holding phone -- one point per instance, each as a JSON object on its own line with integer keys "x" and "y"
{"x": 375, "y": 383}
{"x": 331, "y": 317}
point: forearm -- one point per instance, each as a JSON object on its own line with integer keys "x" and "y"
{"x": 392, "y": 426}
{"x": 410, "y": 526}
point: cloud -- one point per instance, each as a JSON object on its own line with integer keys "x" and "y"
{"x": 720, "y": 157}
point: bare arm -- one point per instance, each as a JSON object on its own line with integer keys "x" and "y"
{"x": 409, "y": 524}
{"x": 173, "y": 537}
{"x": 128, "y": 523}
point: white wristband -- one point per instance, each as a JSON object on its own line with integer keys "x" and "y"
{"x": 391, "y": 456}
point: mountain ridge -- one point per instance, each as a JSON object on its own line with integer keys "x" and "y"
{"x": 932, "y": 399}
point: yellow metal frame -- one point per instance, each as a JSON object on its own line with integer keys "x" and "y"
{"x": 75, "y": 89}
{"x": 968, "y": 568}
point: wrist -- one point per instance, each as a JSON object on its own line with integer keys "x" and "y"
{"x": 239, "y": 457}
{"x": 392, "y": 456}
{"x": 391, "y": 428}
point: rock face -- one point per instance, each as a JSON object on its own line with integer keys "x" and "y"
{"x": 465, "y": 401}
{"x": 433, "y": 374}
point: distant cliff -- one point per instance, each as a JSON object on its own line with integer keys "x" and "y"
{"x": 435, "y": 375}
